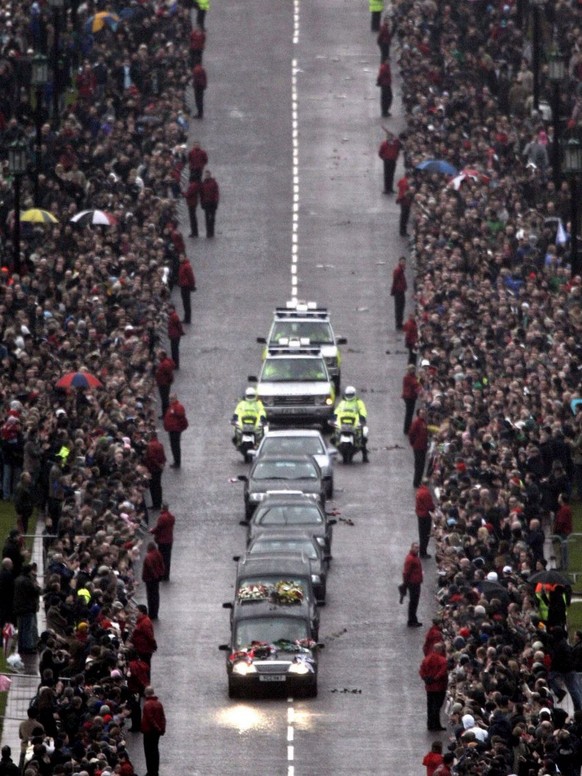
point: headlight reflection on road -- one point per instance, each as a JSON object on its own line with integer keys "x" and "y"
{"x": 244, "y": 718}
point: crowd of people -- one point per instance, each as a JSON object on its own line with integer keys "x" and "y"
{"x": 494, "y": 359}
{"x": 92, "y": 304}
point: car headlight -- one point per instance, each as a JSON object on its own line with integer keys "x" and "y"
{"x": 301, "y": 667}
{"x": 329, "y": 401}
{"x": 242, "y": 668}
{"x": 316, "y": 579}
{"x": 256, "y": 496}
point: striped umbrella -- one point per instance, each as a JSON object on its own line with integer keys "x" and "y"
{"x": 94, "y": 218}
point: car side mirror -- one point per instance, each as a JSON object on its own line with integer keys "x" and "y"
{"x": 252, "y": 453}
{"x": 332, "y": 452}
{"x": 328, "y": 557}
{"x": 244, "y": 522}
{"x": 252, "y": 378}
{"x": 262, "y": 340}
{"x": 227, "y": 605}
{"x": 236, "y": 558}
{"x": 332, "y": 521}
{"x": 320, "y": 645}
{"x": 341, "y": 340}
{"x": 243, "y": 478}
{"x": 224, "y": 647}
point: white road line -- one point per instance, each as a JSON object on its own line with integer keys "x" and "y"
{"x": 290, "y": 734}
{"x": 290, "y": 753}
{"x": 295, "y": 161}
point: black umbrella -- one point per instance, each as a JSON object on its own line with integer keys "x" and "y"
{"x": 549, "y": 577}
{"x": 492, "y": 589}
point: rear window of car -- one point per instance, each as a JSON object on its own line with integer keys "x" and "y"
{"x": 310, "y": 445}
{"x": 286, "y": 470}
{"x": 289, "y": 515}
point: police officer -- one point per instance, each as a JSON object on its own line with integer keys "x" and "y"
{"x": 248, "y": 407}
{"x": 352, "y": 405}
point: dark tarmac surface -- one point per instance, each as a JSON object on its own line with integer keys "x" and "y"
{"x": 369, "y": 717}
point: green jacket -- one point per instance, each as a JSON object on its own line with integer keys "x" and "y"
{"x": 204, "y": 5}
{"x": 249, "y": 409}
{"x": 376, "y": 5}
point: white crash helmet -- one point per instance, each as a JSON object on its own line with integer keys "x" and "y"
{"x": 349, "y": 392}
{"x": 251, "y": 394}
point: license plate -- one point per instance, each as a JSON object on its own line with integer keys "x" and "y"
{"x": 346, "y": 438}
{"x": 272, "y": 677}
{"x": 248, "y": 438}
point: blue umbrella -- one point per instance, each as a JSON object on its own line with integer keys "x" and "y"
{"x": 437, "y": 165}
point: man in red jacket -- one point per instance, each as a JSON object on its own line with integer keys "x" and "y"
{"x": 384, "y": 81}
{"x": 175, "y": 334}
{"x": 153, "y": 726}
{"x": 388, "y": 152}
{"x": 138, "y": 678}
{"x": 187, "y": 284}
{"x": 398, "y": 291}
{"x": 155, "y": 460}
{"x": 418, "y": 437}
{"x": 175, "y": 422}
{"x": 433, "y": 672}
{"x": 412, "y": 579}
{"x": 197, "y": 45}
{"x": 410, "y": 393}
{"x": 209, "y": 199}
{"x": 424, "y": 507}
{"x": 199, "y": 84}
{"x": 410, "y": 330}
{"x": 142, "y": 637}
{"x": 164, "y": 376}
{"x": 434, "y": 635}
{"x": 191, "y": 197}
{"x": 163, "y": 533}
{"x": 152, "y": 571}
{"x": 197, "y": 161}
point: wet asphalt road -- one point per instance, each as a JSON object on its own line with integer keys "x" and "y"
{"x": 369, "y": 715}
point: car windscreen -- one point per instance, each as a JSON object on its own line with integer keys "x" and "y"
{"x": 304, "y": 546}
{"x": 288, "y": 515}
{"x": 317, "y": 332}
{"x": 294, "y": 370}
{"x": 292, "y": 445}
{"x": 284, "y": 470}
{"x": 269, "y": 630}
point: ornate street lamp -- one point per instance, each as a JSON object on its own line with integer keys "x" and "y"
{"x": 572, "y": 166}
{"x": 57, "y": 6}
{"x": 556, "y": 74}
{"x": 17, "y": 166}
{"x": 538, "y": 7}
{"x": 39, "y": 81}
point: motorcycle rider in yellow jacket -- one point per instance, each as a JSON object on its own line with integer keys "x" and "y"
{"x": 353, "y": 409}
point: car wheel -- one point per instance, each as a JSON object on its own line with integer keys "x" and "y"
{"x": 232, "y": 691}
{"x": 248, "y": 512}
{"x": 311, "y": 690}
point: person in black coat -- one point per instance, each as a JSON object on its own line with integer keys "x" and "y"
{"x": 6, "y": 592}
{"x": 13, "y": 549}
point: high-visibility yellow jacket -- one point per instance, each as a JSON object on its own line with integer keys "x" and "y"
{"x": 375, "y": 5}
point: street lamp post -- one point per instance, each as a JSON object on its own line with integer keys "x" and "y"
{"x": 572, "y": 165}
{"x": 39, "y": 81}
{"x": 556, "y": 73}
{"x": 56, "y": 5}
{"x": 538, "y": 6}
{"x": 17, "y": 165}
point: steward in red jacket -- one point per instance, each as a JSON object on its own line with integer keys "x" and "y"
{"x": 175, "y": 418}
{"x": 424, "y": 506}
{"x": 197, "y": 161}
{"x": 434, "y": 673}
{"x": 197, "y": 45}
{"x": 209, "y": 199}
{"x": 142, "y": 637}
{"x": 153, "y": 718}
{"x": 411, "y": 582}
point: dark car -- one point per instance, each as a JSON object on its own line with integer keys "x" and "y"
{"x": 300, "y": 441}
{"x": 272, "y": 647}
{"x": 291, "y": 473}
{"x": 291, "y": 511}
{"x": 267, "y": 574}
{"x": 271, "y": 543}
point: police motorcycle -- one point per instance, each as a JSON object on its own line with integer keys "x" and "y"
{"x": 247, "y": 435}
{"x": 351, "y": 434}
{"x": 249, "y": 421}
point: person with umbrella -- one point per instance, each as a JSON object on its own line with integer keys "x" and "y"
{"x": 553, "y": 595}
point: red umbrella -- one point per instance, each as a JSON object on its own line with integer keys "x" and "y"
{"x": 79, "y": 380}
